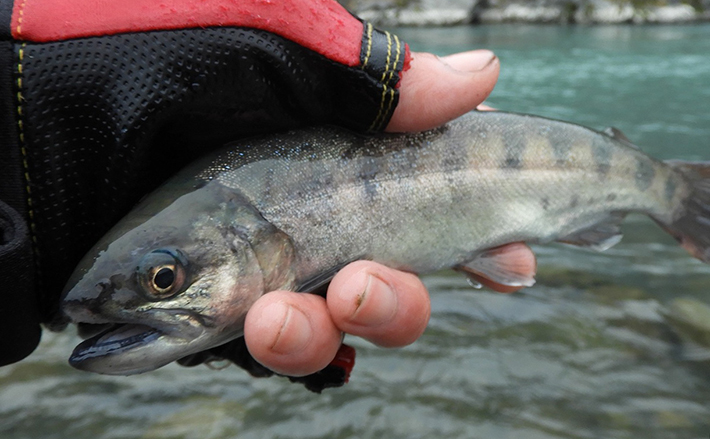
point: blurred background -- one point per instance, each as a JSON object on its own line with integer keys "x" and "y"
{"x": 605, "y": 345}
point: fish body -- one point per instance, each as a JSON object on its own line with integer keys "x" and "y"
{"x": 286, "y": 211}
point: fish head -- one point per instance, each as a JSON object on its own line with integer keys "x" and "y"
{"x": 177, "y": 283}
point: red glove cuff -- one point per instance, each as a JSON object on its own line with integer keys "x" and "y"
{"x": 319, "y": 25}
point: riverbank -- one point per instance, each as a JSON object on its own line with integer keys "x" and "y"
{"x": 457, "y": 12}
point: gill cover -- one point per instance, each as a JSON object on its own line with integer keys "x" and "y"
{"x": 175, "y": 283}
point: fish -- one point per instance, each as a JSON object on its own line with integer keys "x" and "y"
{"x": 286, "y": 211}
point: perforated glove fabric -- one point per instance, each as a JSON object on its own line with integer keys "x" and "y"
{"x": 99, "y": 104}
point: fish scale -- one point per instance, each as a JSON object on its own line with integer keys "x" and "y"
{"x": 286, "y": 211}
{"x": 377, "y": 184}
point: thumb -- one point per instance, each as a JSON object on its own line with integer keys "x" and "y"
{"x": 435, "y": 90}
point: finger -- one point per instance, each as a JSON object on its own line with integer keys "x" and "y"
{"x": 291, "y": 333}
{"x": 435, "y": 90}
{"x": 388, "y": 307}
{"x": 463, "y": 62}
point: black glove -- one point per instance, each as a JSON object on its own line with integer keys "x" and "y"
{"x": 97, "y": 107}
{"x": 335, "y": 374}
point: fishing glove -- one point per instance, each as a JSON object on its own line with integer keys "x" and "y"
{"x": 101, "y": 101}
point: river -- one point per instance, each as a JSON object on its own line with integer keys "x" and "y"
{"x": 605, "y": 345}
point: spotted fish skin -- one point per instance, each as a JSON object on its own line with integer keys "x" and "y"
{"x": 430, "y": 200}
{"x": 287, "y": 211}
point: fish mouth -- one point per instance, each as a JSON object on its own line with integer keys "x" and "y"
{"x": 112, "y": 340}
{"x": 127, "y": 348}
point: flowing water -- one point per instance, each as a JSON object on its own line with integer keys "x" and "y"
{"x": 611, "y": 345}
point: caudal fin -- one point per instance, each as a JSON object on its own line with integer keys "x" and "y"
{"x": 692, "y": 226}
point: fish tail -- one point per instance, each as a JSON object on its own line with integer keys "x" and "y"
{"x": 691, "y": 223}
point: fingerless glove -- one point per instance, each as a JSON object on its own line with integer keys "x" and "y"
{"x": 101, "y": 101}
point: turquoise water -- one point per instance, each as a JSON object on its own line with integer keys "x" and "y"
{"x": 610, "y": 345}
{"x": 651, "y": 82}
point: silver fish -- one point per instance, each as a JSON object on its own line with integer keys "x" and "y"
{"x": 286, "y": 211}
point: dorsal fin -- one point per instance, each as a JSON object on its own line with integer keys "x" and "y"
{"x": 617, "y": 134}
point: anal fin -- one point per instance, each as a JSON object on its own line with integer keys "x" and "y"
{"x": 506, "y": 268}
{"x": 600, "y": 236}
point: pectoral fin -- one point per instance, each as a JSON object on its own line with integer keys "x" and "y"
{"x": 506, "y": 268}
{"x": 318, "y": 284}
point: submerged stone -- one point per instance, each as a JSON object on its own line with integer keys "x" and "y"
{"x": 691, "y": 318}
{"x": 672, "y": 419}
{"x": 214, "y": 417}
{"x": 561, "y": 277}
{"x": 614, "y": 293}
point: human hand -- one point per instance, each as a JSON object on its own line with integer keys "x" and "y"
{"x": 299, "y": 334}
{"x": 139, "y": 121}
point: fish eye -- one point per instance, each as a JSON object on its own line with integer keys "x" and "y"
{"x": 162, "y": 273}
{"x": 164, "y": 278}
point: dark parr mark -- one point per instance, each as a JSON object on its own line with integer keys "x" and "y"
{"x": 321, "y": 175}
{"x": 368, "y": 169}
{"x": 367, "y": 174}
{"x": 644, "y": 174}
{"x": 545, "y": 203}
{"x": 602, "y": 155}
{"x": 513, "y": 163}
{"x": 670, "y": 189}
{"x": 453, "y": 160}
{"x": 371, "y": 189}
{"x": 574, "y": 202}
{"x": 403, "y": 163}
{"x": 515, "y": 145}
{"x": 560, "y": 150}
{"x": 269, "y": 176}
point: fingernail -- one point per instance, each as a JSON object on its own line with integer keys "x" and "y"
{"x": 483, "y": 60}
{"x": 473, "y": 61}
{"x": 376, "y": 305}
{"x": 295, "y": 331}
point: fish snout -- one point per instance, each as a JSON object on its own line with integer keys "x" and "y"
{"x": 77, "y": 311}
{"x": 84, "y": 302}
